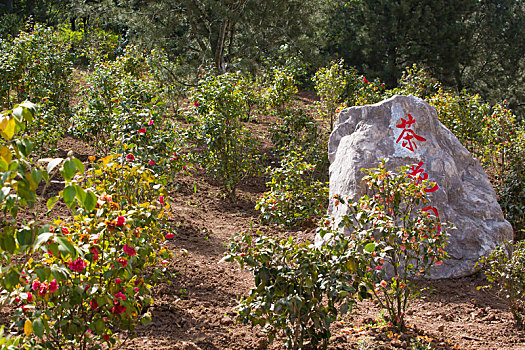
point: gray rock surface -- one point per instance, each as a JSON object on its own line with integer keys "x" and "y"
{"x": 363, "y": 135}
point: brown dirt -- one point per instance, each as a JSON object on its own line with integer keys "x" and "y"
{"x": 195, "y": 309}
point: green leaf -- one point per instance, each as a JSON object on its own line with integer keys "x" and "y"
{"x": 69, "y": 169}
{"x": 41, "y": 239}
{"x": 81, "y": 193}
{"x": 24, "y": 238}
{"x": 38, "y": 327}
{"x": 11, "y": 279}
{"x": 91, "y": 201}
{"x": 66, "y": 247}
{"x": 69, "y": 194}
{"x": 9, "y": 243}
{"x": 370, "y": 247}
{"x": 51, "y": 202}
{"x": 79, "y": 165}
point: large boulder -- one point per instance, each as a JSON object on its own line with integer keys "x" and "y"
{"x": 405, "y": 130}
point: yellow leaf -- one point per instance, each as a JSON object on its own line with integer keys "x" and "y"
{"x": 6, "y": 154}
{"x": 28, "y": 327}
{"x": 9, "y": 131}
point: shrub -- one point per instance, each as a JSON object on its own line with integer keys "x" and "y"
{"x": 299, "y": 289}
{"x": 398, "y": 238}
{"x": 294, "y": 197}
{"x": 35, "y": 67}
{"x": 298, "y": 130}
{"x": 282, "y": 88}
{"x": 504, "y": 268}
{"x": 229, "y": 151}
{"x": 96, "y": 270}
{"x": 330, "y": 85}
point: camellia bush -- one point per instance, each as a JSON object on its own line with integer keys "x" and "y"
{"x": 399, "y": 240}
{"x": 299, "y": 289}
{"x": 229, "y": 151}
{"x": 74, "y": 282}
{"x": 294, "y": 197}
{"x": 504, "y": 269}
{"x": 330, "y": 85}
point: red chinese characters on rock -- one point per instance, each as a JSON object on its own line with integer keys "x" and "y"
{"x": 436, "y": 214}
{"x": 409, "y": 139}
{"x": 419, "y": 174}
{"x": 408, "y": 136}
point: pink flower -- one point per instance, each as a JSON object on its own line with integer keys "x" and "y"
{"x": 53, "y": 286}
{"x": 151, "y": 122}
{"x": 121, "y": 221}
{"x": 26, "y": 308}
{"x": 169, "y": 235}
{"x": 118, "y": 309}
{"x": 383, "y": 284}
{"x": 95, "y": 253}
{"x": 142, "y": 131}
{"x": 43, "y": 289}
{"x": 161, "y": 199}
{"x": 196, "y": 104}
{"x": 379, "y": 267}
{"x": 439, "y": 262}
{"x": 118, "y": 281}
{"x": 119, "y": 295}
{"x": 129, "y": 250}
{"x": 29, "y": 297}
{"x": 35, "y": 285}
{"x": 77, "y": 265}
{"x": 130, "y": 157}
{"x": 123, "y": 262}
{"x": 402, "y": 247}
{"x": 136, "y": 289}
{"x": 151, "y": 162}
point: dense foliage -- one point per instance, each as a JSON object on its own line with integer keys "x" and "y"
{"x": 151, "y": 86}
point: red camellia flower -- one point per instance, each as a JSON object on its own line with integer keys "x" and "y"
{"x": 29, "y": 297}
{"x": 93, "y": 304}
{"x": 151, "y": 162}
{"x": 17, "y": 299}
{"x": 170, "y": 235}
{"x": 95, "y": 252}
{"x": 151, "y": 122}
{"x": 35, "y": 285}
{"x": 365, "y": 81}
{"x": 130, "y": 157}
{"x": 53, "y": 286}
{"x": 118, "y": 281}
{"x": 121, "y": 221}
{"x": 77, "y": 265}
{"x": 106, "y": 337}
{"x": 161, "y": 199}
{"x": 118, "y": 309}
{"x": 142, "y": 131}
{"x": 65, "y": 230}
{"x": 43, "y": 289}
{"x": 119, "y": 295}
{"x": 123, "y": 262}
{"x": 196, "y": 104}
{"x": 129, "y": 250}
